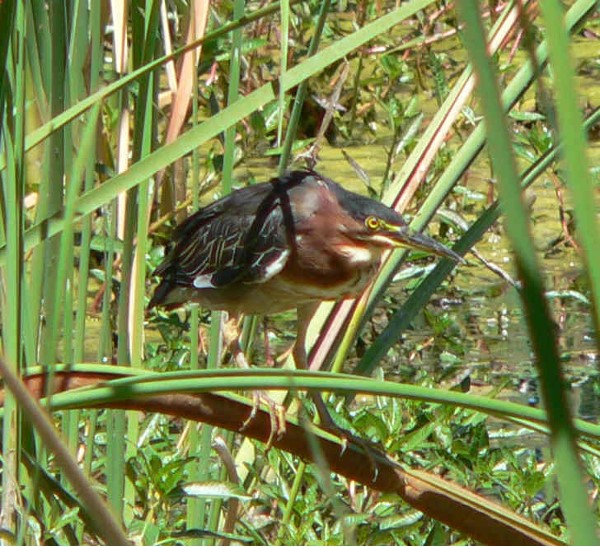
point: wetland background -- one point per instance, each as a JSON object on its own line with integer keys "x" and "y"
{"x": 109, "y": 139}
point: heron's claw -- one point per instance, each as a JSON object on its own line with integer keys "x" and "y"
{"x": 328, "y": 424}
{"x": 276, "y": 416}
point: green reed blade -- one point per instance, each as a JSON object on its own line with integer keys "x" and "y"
{"x": 571, "y": 491}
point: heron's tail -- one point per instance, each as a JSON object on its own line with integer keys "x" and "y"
{"x": 161, "y": 293}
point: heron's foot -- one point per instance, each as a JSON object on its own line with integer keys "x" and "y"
{"x": 276, "y": 415}
{"x": 370, "y": 449}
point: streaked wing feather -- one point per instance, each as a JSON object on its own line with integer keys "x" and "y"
{"x": 215, "y": 249}
{"x": 258, "y": 255}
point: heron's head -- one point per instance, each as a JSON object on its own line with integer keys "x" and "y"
{"x": 372, "y": 223}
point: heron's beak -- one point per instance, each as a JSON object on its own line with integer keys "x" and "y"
{"x": 402, "y": 236}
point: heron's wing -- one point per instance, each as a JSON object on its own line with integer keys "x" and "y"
{"x": 260, "y": 252}
{"x": 241, "y": 238}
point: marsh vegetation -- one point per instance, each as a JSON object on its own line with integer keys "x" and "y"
{"x": 479, "y": 381}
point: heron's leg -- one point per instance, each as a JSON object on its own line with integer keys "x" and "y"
{"x": 269, "y": 360}
{"x": 231, "y": 335}
{"x": 305, "y": 314}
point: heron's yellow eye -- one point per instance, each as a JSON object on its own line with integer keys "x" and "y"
{"x": 372, "y": 223}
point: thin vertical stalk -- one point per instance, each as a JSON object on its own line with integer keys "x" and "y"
{"x": 96, "y": 52}
{"x": 146, "y": 30}
{"x": 8, "y": 11}
{"x": 65, "y": 249}
{"x": 574, "y": 151}
{"x": 233, "y": 94}
{"x": 94, "y": 48}
{"x": 117, "y": 426}
{"x": 291, "y": 504}
{"x": 292, "y": 129}
{"x": 53, "y": 195}
{"x": 39, "y": 57}
{"x": 70, "y": 422}
{"x": 283, "y": 40}
{"x": 199, "y": 446}
{"x": 13, "y": 190}
{"x": 145, "y": 124}
{"x": 116, "y": 421}
{"x": 214, "y": 359}
{"x": 64, "y": 274}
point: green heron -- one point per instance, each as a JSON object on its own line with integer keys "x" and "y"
{"x": 288, "y": 243}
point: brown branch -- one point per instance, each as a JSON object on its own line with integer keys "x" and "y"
{"x": 438, "y": 498}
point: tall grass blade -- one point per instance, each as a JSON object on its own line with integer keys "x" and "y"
{"x": 233, "y": 94}
{"x": 572, "y": 493}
